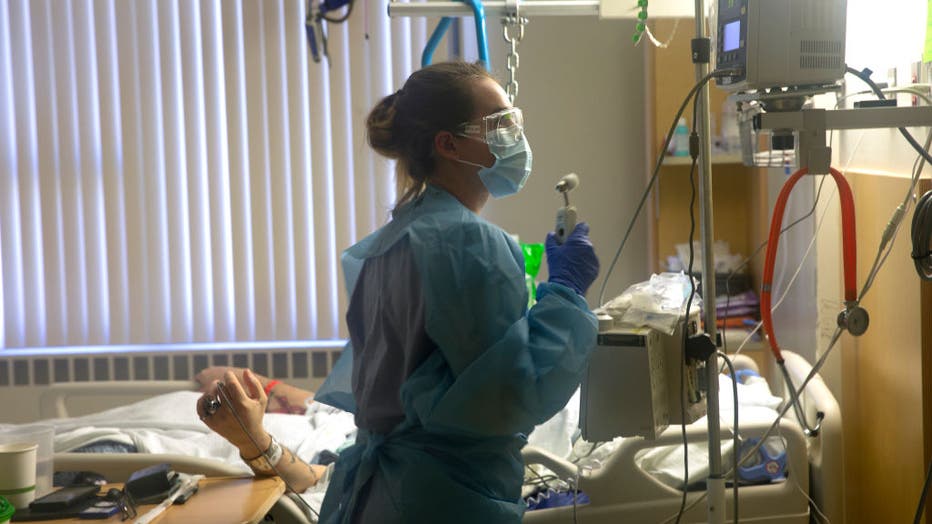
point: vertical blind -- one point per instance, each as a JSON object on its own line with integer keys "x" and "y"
{"x": 183, "y": 171}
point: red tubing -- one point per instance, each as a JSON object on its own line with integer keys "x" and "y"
{"x": 776, "y": 224}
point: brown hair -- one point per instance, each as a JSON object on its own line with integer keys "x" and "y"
{"x": 402, "y": 125}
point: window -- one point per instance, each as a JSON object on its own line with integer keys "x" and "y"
{"x": 176, "y": 171}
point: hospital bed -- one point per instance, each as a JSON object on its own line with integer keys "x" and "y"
{"x": 619, "y": 491}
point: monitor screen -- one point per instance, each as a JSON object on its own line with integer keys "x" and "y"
{"x": 731, "y": 36}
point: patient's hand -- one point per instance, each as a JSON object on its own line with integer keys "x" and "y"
{"x": 248, "y": 400}
{"x": 209, "y": 375}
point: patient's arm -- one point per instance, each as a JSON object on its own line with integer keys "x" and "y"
{"x": 283, "y": 398}
{"x": 299, "y": 474}
{"x": 245, "y": 430}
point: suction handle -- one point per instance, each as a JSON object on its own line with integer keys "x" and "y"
{"x": 566, "y": 215}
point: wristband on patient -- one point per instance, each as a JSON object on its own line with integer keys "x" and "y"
{"x": 265, "y": 462}
{"x": 268, "y": 387}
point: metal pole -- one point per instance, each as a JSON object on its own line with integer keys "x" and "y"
{"x": 716, "y": 481}
{"x": 496, "y": 8}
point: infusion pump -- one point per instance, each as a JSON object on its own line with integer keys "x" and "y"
{"x": 632, "y": 384}
{"x": 780, "y": 43}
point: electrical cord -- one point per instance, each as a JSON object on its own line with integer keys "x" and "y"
{"x": 865, "y": 77}
{"x": 786, "y": 407}
{"x": 879, "y": 261}
{"x": 689, "y": 302}
{"x": 221, "y": 388}
{"x": 734, "y": 430}
{"x": 656, "y": 172}
{"x": 812, "y": 503}
{"x": 921, "y": 234}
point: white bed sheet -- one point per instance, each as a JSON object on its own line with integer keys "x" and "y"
{"x": 169, "y": 424}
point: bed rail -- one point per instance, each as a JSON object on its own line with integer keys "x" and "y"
{"x": 54, "y": 401}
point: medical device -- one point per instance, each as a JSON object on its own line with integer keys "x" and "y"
{"x": 782, "y": 53}
{"x": 768, "y": 463}
{"x": 782, "y": 44}
{"x": 566, "y": 215}
{"x": 211, "y": 405}
{"x": 317, "y": 14}
{"x": 631, "y": 386}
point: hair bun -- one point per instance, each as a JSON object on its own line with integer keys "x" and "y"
{"x": 380, "y": 127}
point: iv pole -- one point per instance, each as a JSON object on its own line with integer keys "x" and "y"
{"x": 715, "y": 485}
{"x": 716, "y": 480}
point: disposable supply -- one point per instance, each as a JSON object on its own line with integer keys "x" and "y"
{"x": 659, "y": 303}
{"x": 18, "y": 480}
{"x": 679, "y": 146}
{"x": 533, "y": 254}
{"x": 510, "y": 171}
{"x": 43, "y": 436}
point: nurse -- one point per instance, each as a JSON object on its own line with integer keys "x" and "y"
{"x": 447, "y": 370}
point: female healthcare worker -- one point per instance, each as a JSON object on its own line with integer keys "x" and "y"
{"x": 447, "y": 370}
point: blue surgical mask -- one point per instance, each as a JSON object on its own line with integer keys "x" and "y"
{"x": 511, "y": 169}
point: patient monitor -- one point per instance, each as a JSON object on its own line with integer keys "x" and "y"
{"x": 632, "y": 384}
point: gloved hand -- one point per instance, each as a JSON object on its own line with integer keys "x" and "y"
{"x": 572, "y": 264}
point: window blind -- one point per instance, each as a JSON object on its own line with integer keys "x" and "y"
{"x": 175, "y": 171}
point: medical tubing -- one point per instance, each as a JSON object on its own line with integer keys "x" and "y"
{"x": 656, "y": 173}
{"x": 865, "y": 77}
{"x": 921, "y": 234}
{"x": 221, "y": 388}
{"x": 750, "y": 257}
{"x": 849, "y": 248}
{"x": 812, "y": 503}
{"x": 923, "y": 153}
{"x": 753, "y": 451}
{"x": 734, "y": 429}
{"x": 797, "y": 405}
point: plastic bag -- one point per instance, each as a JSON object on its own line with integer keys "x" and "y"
{"x": 659, "y": 303}
{"x": 533, "y": 255}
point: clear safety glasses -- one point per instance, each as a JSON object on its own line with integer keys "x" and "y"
{"x": 504, "y": 128}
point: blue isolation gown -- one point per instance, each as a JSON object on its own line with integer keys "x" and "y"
{"x": 447, "y": 370}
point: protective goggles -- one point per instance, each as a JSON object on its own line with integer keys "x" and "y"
{"x": 504, "y": 128}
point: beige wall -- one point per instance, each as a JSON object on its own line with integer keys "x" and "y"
{"x": 582, "y": 91}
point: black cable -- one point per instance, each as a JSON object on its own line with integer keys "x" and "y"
{"x": 921, "y": 235}
{"x": 656, "y": 173}
{"x": 734, "y": 445}
{"x": 689, "y": 302}
{"x": 923, "y": 495}
{"x": 694, "y": 153}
